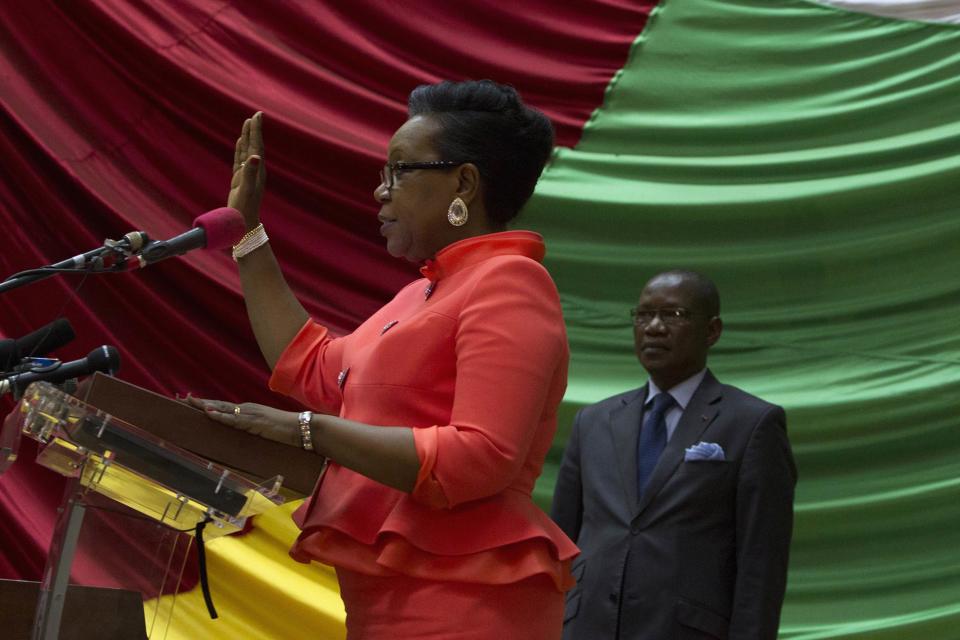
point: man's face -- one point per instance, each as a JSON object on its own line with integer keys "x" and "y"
{"x": 669, "y": 347}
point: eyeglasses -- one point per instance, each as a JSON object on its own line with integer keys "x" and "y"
{"x": 391, "y": 170}
{"x": 668, "y": 316}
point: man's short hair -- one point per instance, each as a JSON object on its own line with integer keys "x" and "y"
{"x": 706, "y": 295}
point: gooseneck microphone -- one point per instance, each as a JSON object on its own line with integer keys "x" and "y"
{"x": 217, "y": 229}
{"x": 105, "y": 359}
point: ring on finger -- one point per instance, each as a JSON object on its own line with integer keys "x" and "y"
{"x": 236, "y": 410}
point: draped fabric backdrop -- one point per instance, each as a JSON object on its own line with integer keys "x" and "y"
{"x": 802, "y": 155}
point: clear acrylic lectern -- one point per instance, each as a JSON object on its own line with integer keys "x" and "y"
{"x": 104, "y": 456}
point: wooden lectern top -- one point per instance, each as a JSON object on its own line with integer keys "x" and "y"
{"x": 252, "y": 456}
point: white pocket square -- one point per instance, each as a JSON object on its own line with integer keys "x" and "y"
{"x": 703, "y": 451}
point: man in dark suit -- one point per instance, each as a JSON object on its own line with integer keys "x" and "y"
{"x": 679, "y": 493}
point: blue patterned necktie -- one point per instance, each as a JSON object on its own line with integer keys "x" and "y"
{"x": 653, "y": 439}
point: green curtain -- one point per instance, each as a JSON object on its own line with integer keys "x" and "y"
{"x": 808, "y": 160}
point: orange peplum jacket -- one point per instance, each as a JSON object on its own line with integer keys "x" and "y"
{"x": 474, "y": 358}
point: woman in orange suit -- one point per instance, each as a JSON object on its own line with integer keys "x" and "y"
{"x": 436, "y": 413}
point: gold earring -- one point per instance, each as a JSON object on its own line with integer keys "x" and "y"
{"x": 457, "y": 214}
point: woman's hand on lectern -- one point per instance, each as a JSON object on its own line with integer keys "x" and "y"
{"x": 249, "y": 172}
{"x": 260, "y": 420}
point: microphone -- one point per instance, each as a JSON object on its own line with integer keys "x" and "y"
{"x": 105, "y": 358}
{"x": 36, "y": 343}
{"x": 217, "y": 229}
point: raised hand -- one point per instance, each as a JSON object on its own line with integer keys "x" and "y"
{"x": 249, "y": 172}
{"x": 260, "y": 420}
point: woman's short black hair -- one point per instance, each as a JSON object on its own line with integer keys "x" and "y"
{"x": 487, "y": 124}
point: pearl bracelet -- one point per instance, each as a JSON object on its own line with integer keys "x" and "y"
{"x": 253, "y": 239}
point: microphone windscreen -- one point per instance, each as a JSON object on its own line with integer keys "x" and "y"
{"x": 223, "y": 227}
{"x": 9, "y": 354}
{"x": 45, "y": 339}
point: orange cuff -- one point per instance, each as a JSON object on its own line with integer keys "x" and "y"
{"x": 286, "y": 371}
{"x": 427, "y": 490}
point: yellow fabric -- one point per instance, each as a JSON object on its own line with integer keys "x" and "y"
{"x": 260, "y": 592}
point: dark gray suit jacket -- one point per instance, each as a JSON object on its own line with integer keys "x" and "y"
{"x": 703, "y": 552}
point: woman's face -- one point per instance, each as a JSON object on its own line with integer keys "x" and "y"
{"x": 413, "y": 212}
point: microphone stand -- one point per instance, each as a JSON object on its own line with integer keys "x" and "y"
{"x": 95, "y": 261}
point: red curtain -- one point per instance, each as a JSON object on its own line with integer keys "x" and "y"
{"x": 117, "y": 116}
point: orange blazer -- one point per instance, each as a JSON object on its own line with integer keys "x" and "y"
{"x": 474, "y": 358}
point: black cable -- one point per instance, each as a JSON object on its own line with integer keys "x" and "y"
{"x": 202, "y": 562}
{"x": 44, "y": 270}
